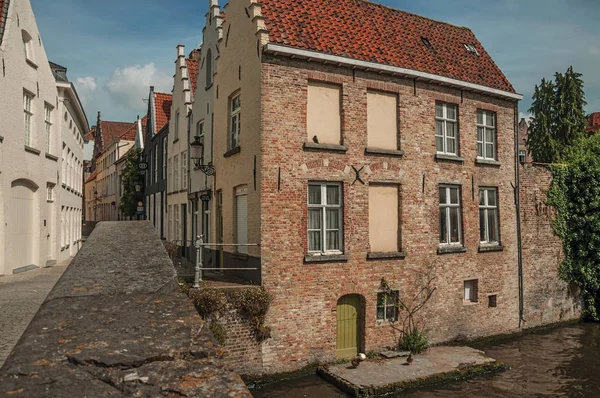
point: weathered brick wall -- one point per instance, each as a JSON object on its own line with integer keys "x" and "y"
{"x": 303, "y": 315}
{"x": 547, "y": 299}
{"x": 242, "y": 352}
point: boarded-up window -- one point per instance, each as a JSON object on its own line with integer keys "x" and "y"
{"x": 383, "y": 218}
{"x": 324, "y": 114}
{"x": 382, "y": 120}
{"x": 241, "y": 218}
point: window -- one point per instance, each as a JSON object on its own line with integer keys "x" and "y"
{"x": 492, "y": 301}
{"x": 164, "y": 165}
{"x": 522, "y": 156}
{"x": 48, "y": 120}
{"x": 471, "y": 48}
{"x": 324, "y": 119}
{"x": 170, "y": 221}
{"x": 169, "y": 179}
{"x": 209, "y": 74}
{"x": 184, "y": 168}
{"x": 471, "y": 290}
{"x": 450, "y": 228}
{"x": 446, "y": 128}
{"x": 177, "y": 231}
{"x": 488, "y": 216}
{"x": 156, "y": 163}
{"x": 175, "y": 173}
{"x": 382, "y": 120}
{"x": 50, "y": 192}
{"x": 241, "y": 218}
{"x": 200, "y": 133}
{"x": 27, "y": 100}
{"x": 325, "y": 218}
{"x": 383, "y": 211}
{"x": 235, "y": 122}
{"x": 486, "y": 135}
{"x": 27, "y": 45}
{"x": 176, "y": 131}
{"x": 387, "y": 306}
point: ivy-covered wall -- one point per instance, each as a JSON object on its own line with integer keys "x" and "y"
{"x": 547, "y": 298}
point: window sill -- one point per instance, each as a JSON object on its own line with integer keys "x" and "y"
{"x": 451, "y": 158}
{"x": 32, "y": 150}
{"x": 384, "y": 152}
{"x": 469, "y": 303}
{"x": 1, "y": 139}
{"x": 386, "y": 255}
{"x": 326, "y": 258}
{"x": 451, "y": 249}
{"x": 175, "y": 140}
{"x": 208, "y": 87}
{"x": 240, "y": 256}
{"x": 384, "y": 322}
{"x": 232, "y": 152}
{"x": 51, "y": 157}
{"x": 487, "y": 162}
{"x": 490, "y": 248}
{"x": 325, "y": 147}
{"x": 31, "y": 63}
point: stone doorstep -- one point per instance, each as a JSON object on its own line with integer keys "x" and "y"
{"x": 384, "y": 376}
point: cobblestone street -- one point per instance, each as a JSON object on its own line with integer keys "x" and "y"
{"x": 20, "y": 297}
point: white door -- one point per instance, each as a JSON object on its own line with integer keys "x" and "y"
{"x": 242, "y": 222}
{"x": 22, "y": 226}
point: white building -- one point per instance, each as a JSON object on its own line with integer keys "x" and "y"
{"x": 31, "y": 147}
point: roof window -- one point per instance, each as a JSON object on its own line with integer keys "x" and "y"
{"x": 427, "y": 43}
{"x": 471, "y": 48}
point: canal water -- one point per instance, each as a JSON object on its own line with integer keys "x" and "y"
{"x": 561, "y": 362}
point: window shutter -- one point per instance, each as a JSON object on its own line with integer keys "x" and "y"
{"x": 242, "y": 222}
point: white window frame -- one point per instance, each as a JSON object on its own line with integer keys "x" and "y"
{"x": 176, "y": 131}
{"x": 485, "y": 207}
{"x": 169, "y": 179}
{"x": 522, "y": 156}
{"x": 487, "y": 124}
{"x": 50, "y": 192}
{"x": 385, "y": 305}
{"x": 445, "y": 210}
{"x": 177, "y": 223}
{"x": 175, "y": 173}
{"x": 471, "y": 291}
{"x": 28, "y": 113}
{"x": 235, "y": 117}
{"x": 48, "y": 125}
{"x": 164, "y": 166}
{"x": 445, "y": 120}
{"x": 323, "y": 206}
{"x": 184, "y": 169}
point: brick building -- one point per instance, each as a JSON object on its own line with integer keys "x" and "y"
{"x": 594, "y": 122}
{"x": 352, "y": 153}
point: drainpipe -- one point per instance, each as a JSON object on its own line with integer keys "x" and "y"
{"x": 518, "y": 209}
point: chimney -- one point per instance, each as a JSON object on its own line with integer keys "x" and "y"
{"x": 195, "y": 54}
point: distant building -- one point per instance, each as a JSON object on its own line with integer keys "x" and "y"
{"x": 594, "y": 122}
{"x": 524, "y": 155}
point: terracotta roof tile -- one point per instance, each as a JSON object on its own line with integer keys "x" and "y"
{"x": 162, "y": 106}
{"x": 92, "y": 177}
{"x": 113, "y": 130}
{"x": 3, "y": 13}
{"x": 192, "y": 66}
{"x": 372, "y": 32}
{"x": 131, "y": 132}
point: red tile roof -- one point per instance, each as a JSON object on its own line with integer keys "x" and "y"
{"x": 3, "y": 13}
{"x": 92, "y": 177}
{"x": 371, "y": 32}
{"x": 192, "y": 66}
{"x": 112, "y": 131}
{"x": 162, "y": 106}
{"x": 131, "y": 132}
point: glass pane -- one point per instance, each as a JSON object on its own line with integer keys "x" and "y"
{"x": 490, "y": 119}
{"x": 451, "y": 112}
{"x": 451, "y": 129}
{"x": 391, "y": 299}
{"x": 479, "y": 133}
{"x": 443, "y": 226}
{"x": 450, "y": 145}
{"x": 489, "y": 151}
{"x": 333, "y": 219}
{"x": 482, "y": 196}
{"x": 493, "y": 225}
{"x": 479, "y": 117}
{"x": 442, "y": 195}
{"x": 454, "y": 236}
{"x": 454, "y": 196}
{"x": 491, "y": 197}
{"x": 489, "y": 136}
{"x": 439, "y": 127}
{"x": 333, "y": 195}
{"x": 314, "y": 194}
{"x": 439, "y": 143}
{"x": 314, "y": 241}
{"x": 380, "y": 312}
{"x": 333, "y": 240}
{"x": 438, "y": 110}
{"x": 479, "y": 150}
{"x": 468, "y": 288}
{"x": 482, "y": 225}
{"x": 314, "y": 218}
{"x": 390, "y": 313}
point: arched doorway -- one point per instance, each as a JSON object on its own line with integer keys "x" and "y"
{"x": 23, "y": 224}
{"x": 349, "y": 326}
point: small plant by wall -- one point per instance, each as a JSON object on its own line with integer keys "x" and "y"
{"x": 251, "y": 303}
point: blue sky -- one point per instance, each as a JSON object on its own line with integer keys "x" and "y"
{"x": 115, "y": 49}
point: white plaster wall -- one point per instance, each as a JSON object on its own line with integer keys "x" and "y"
{"x": 17, "y": 163}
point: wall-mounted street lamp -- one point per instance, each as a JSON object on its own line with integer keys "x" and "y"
{"x": 197, "y": 155}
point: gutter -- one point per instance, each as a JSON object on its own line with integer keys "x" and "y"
{"x": 278, "y": 49}
{"x": 518, "y": 211}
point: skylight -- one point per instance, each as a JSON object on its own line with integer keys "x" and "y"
{"x": 427, "y": 43}
{"x": 471, "y": 48}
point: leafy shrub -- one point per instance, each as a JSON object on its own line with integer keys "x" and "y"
{"x": 218, "y": 330}
{"x": 209, "y": 301}
{"x": 171, "y": 248}
{"x": 415, "y": 342}
{"x": 253, "y": 305}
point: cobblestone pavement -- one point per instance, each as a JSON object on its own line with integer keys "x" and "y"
{"x": 20, "y": 297}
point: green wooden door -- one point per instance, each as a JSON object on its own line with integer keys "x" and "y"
{"x": 348, "y": 321}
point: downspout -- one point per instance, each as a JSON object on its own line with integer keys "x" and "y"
{"x": 518, "y": 210}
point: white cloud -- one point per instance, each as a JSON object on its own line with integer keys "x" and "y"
{"x": 86, "y": 86}
{"x": 128, "y": 86}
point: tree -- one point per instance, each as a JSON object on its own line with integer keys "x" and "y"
{"x": 558, "y": 116}
{"x": 130, "y": 178}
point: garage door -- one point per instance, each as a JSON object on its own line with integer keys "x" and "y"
{"x": 22, "y": 226}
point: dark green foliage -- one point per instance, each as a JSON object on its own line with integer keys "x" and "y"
{"x": 413, "y": 341}
{"x": 218, "y": 330}
{"x": 558, "y": 116}
{"x": 575, "y": 192}
{"x": 131, "y": 177}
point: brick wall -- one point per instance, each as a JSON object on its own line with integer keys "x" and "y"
{"x": 303, "y": 315}
{"x": 242, "y": 353}
{"x": 547, "y": 299}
